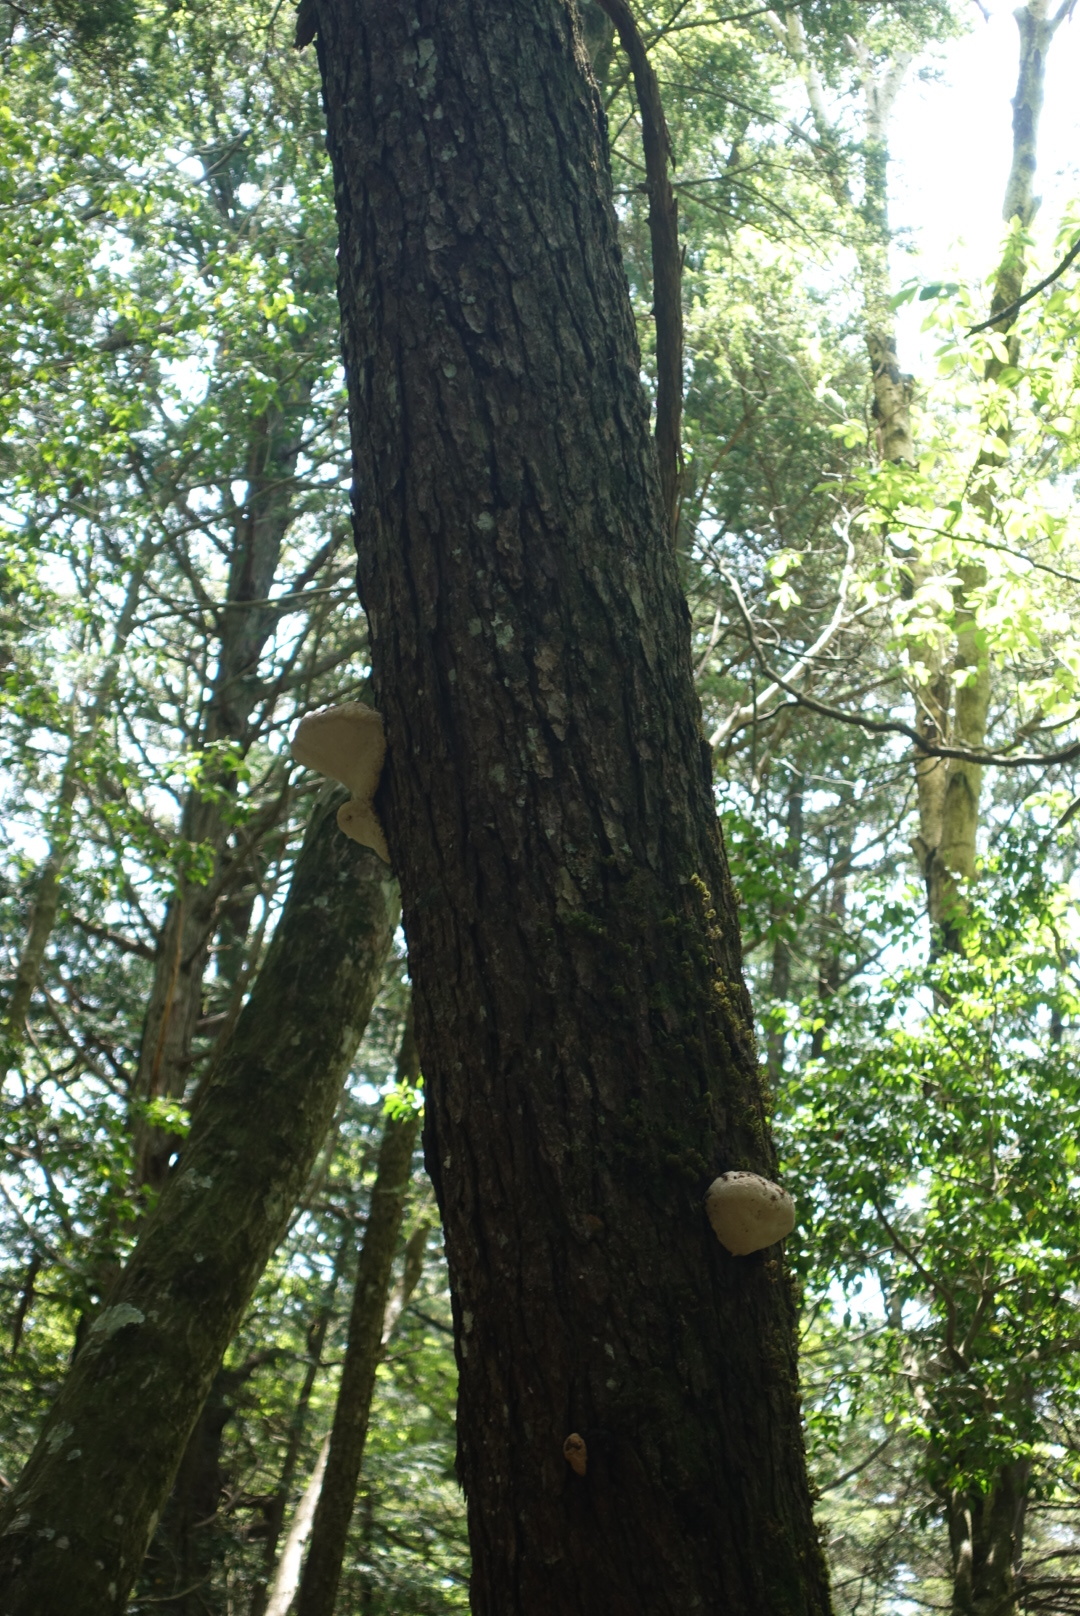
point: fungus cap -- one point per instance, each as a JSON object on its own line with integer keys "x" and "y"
{"x": 576, "y": 1453}
{"x": 347, "y": 743}
{"x": 748, "y": 1212}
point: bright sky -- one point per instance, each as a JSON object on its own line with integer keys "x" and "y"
{"x": 951, "y": 141}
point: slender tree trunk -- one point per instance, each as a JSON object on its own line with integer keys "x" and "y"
{"x": 599, "y": 33}
{"x": 952, "y": 856}
{"x": 287, "y": 1576}
{"x": 585, "y": 1033}
{"x": 190, "y": 1539}
{"x": 666, "y": 260}
{"x": 330, "y": 1528}
{"x": 833, "y": 917}
{"x": 46, "y": 902}
{"x": 986, "y": 1528}
{"x": 780, "y": 976}
{"x": 880, "y": 87}
{"x": 315, "y": 1341}
{"x": 175, "y": 1000}
{"x": 74, "y": 1530}
{"x": 892, "y": 389}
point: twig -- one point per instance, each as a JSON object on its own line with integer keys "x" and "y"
{"x": 1014, "y": 308}
{"x": 894, "y": 726}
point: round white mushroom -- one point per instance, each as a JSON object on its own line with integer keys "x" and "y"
{"x": 748, "y": 1212}
{"x": 347, "y": 743}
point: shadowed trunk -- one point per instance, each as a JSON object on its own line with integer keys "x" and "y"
{"x": 585, "y": 1033}
{"x": 75, "y": 1528}
{"x": 192, "y": 1535}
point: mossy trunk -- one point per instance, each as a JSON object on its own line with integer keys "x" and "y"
{"x": 74, "y": 1530}
{"x": 585, "y": 1033}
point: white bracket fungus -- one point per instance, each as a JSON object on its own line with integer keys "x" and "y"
{"x": 347, "y": 743}
{"x": 748, "y": 1212}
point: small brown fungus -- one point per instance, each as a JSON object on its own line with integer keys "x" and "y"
{"x": 347, "y": 743}
{"x": 748, "y": 1212}
{"x": 575, "y": 1453}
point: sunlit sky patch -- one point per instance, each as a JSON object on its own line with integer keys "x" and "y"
{"x": 950, "y": 140}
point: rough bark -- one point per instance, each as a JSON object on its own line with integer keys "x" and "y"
{"x": 363, "y": 1354}
{"x": 75, "y": 1528}
{"x": 585, "y": 1033}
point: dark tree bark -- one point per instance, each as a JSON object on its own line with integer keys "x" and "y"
{"x": 75, "y": 1528}
{"x": 585, "y": 1033}
{"x": 363, "y": 1354}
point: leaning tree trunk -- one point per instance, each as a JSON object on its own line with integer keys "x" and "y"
{"x": 75, "y": 1528}
{"x": 363, "y": 1354}
{"x": 585, "y": 1034}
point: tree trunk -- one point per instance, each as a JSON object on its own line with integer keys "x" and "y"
{"x": 666, "y": 259}
{"x": 191, "y": 1537}
{"x": 585, "y": 1034}
{"x": 780, "y": 975}
{"x": 75, "y": 1528}
{"x": 986, "y": 1537}
{"x": 363, "y": 1354}
{"x": 951, "y": 860}
{"x": 46, "y": 902}
{"x": 175, "y": 999}
{"x": 316, "y": 1339}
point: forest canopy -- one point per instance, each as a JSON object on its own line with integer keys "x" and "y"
{"x": 867, "y": 466}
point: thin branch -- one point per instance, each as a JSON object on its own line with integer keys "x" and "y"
{"x": 894, "y": 726}
{"x": 1014, "y": 308}
{"x": 738, "y": 717}
{"x": 666, "y": 258}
